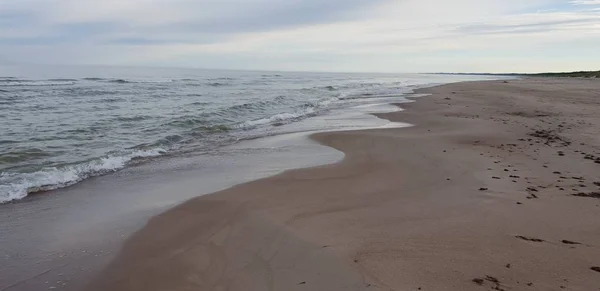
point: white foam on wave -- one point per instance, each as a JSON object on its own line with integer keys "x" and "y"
{"x": 310, "y": 109}
{"x": 20, "y": 83}
{"x": 378, "y": 108}
{"x": 15, "y": 186}
{"x": 275, "y": 118}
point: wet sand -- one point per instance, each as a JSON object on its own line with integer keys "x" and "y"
{"x": 477, "y": 196}
{"x": 61, "y": 239}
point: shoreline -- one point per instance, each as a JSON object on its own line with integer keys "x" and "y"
{"x": 259, "y": 115}
{"x": 467, "y": 197}
{"x": 142, "y": 157}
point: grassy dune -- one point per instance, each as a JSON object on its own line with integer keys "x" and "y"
{"x": 582, "y": 74}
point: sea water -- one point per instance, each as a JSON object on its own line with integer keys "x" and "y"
{"x": 62, "y": 125}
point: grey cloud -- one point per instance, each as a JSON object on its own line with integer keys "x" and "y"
{"x": 163, "y": 41}
{"x": 542, "y": 26}
{"x": 240, "y": 16}
{"x": 215, "y": 21}
{"x": 227, "y": 18}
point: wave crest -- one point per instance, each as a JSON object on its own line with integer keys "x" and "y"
{"x": 305, "y": 110}
{"x": 15, "y": 186}
{"x": 23, "y": 82}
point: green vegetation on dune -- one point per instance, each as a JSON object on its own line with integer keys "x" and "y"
{"x": 582, "y": 74}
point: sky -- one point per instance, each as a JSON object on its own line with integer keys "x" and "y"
{"x": 306, "y": 35}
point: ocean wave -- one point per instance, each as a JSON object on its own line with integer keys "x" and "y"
{"x": 22, "y": 82}
{"x": 213, "y": 128}
{"x": 214, "y": 121}
{"x": 133, "y": 118}
{"x": 306, "y": 110}
{"x": 351, "y": 86}
{"x": 366, "y": 85}
{"x": 169, "y": 142}
{"x": 161, "y": 81}
{"x": 256, "y": 83}
{"x": 322, "y": 88}
{"x": 224, "y": 119}
{"x": 108, "y": 100}
{"x": 217, "y": 84}
{"x": 127, "y": 81}
{"x": 41, "y": 107}
{"x": 186, "y": 121}
{"x": 12, "y": 79}
{"x": 277, "y": 118}
{"x": 198, "y": 103}
{"x": 119, "y": 81}
{"x": 253, "y": 106}
{"x": 91, "y": 93}
{"x": 15, "y": 186}
{"x": 61, "y": 80}
{"x": 23, "y": 155}
{"x": 209, "y": 84}
{"x": 323, "y": 102}
{"x": 382, "y": 94}
{"x": 194, "y": 84}
{"x": 221, "y": 79}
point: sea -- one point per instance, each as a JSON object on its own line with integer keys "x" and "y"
{"x": 61, "y": 125}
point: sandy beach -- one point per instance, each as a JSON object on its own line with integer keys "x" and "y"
{"x": 478, "y": 195}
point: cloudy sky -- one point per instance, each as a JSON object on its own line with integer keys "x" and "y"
{"x": 307, "y": 35}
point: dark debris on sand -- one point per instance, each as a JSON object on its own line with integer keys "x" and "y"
{"x": 592, "y": 157}
{"x": 493, "y": 280}
{"x": 529, "y": 238}
{"x": 588, "y": 195}
{"x": 550, "y": 137}
{"x": 531, "y": 191}
{"x": 478, "y": 281}
{"x": 496, "y": 282}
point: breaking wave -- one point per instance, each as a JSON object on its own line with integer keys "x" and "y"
{"x": 14, "y": 82}
{"x": 306, "y": 110}
{"x": 14, "y": 186}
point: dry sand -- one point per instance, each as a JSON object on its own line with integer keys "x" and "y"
{"x": 476, "y": 196}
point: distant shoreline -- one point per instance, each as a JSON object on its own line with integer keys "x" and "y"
{"x": 578, "y": 74}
